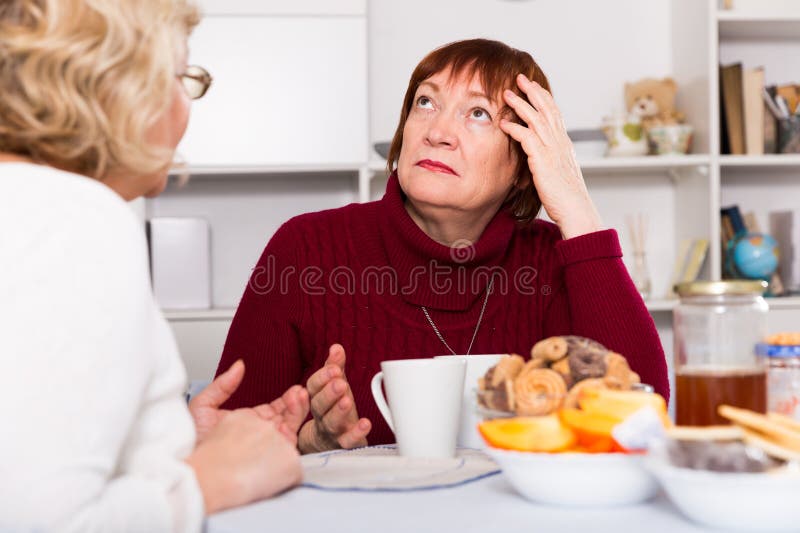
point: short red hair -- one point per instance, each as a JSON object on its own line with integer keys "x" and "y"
{"x": 497, "y": 66}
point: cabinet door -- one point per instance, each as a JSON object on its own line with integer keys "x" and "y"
{"x": 286, "y": 91}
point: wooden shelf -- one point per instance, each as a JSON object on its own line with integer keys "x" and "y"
{"x": 750, "y": 26}
{"x": 193, "y": 315}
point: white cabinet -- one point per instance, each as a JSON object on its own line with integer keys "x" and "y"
{"x": 287, "y": 90}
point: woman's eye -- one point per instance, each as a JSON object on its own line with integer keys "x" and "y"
{"x": 424, "y": 102}
{"x": 480, "y": 114}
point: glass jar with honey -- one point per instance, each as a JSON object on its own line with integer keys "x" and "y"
{"x": 717, "y": 325}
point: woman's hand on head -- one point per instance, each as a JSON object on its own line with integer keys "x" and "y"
{"x": 244, "y": 458}
{"x": 287, "y": 412}
{"x": 551, "y": 158}
{"x": 335, "y": 422}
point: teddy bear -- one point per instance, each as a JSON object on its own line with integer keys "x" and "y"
{"x": 653, "y": 102}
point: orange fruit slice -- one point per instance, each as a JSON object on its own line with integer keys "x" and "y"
{"x": 592, "y": 430}
{"x": 528, "y": 434}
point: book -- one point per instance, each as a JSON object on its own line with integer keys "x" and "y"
{"x": 731, "y": 83}
{"x": 753, "y": 104}
{"x": 696, "y": 259}
{"x": 735, "y": 216}
{"x": 784, "y": 226}
{"x": 689, "y": 261}
{"x": 726, "y": 234}
{"x": 680, "y": 261}
{"x": 724, "y": 145}
{"x": 770, "y": 131}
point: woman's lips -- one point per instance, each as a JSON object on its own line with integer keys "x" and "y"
{"x": 436, "y": 166}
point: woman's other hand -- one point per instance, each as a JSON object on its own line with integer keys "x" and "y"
{"x": 287, "y": 412}
{"x": 244, "y": 458}
{"x": 551, "y": 158}
{"x": 336, "y": 423}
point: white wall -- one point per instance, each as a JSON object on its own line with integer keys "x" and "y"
{"x": 587, "y": 48}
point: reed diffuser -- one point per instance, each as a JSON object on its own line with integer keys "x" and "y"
{"x": 637, "y": 228}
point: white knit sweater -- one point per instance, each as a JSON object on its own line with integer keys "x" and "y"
{"x": 94, "y": 425}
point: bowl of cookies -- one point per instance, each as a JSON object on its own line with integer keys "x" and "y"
{"x": 558, "y": 371}
{"x": 744, "y": 476}
{"x": 568, "y": 426}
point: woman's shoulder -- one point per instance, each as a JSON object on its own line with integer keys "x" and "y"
{"x": 43, "y": 195}
{"x": 64, "y": 215}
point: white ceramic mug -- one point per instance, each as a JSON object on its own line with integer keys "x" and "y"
{"x": 477, "y": 366}
{"x": 424, "y": 404}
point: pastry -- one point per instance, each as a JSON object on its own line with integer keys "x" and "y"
{"x": 571, "y": 401}
{"x": 777, "y": 433}
{"x": 551, "y": 349}
{"x": 539, "y": 391}
{"x": 507, "y": 368}
{"x": 618, "y": 374}
{"x": 586, "y": 361}
{"x": 562, "y": 367}
{"x": 500, "y": 398}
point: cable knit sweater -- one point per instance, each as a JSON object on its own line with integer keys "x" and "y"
{"x": 359, "y": 276}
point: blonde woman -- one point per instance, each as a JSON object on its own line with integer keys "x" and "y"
{"x": 97, "y": 436}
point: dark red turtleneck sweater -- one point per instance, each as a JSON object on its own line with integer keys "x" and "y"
{"x": 359, "y": 275}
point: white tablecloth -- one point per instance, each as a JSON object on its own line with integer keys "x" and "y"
{"x": 483, "y": 506}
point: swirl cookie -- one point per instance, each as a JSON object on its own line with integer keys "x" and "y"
{"x": 539, "y": 391}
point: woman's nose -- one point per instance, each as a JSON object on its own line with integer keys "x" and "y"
{"x": 441, "y": 132}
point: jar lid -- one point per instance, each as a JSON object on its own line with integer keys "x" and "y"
{"x": 777, "y": 350}
{"x": 718, "y": 288}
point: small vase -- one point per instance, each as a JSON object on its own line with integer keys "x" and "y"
{"x": 640, "y": 275}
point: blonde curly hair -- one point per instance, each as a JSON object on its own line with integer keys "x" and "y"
{"x": 81, "y": 81}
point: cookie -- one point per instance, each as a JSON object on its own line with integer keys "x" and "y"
{"x": 551, "y": 349}
{"x": 538, "y": 392}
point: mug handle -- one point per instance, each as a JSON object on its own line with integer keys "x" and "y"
{"x": 377, "y": 394}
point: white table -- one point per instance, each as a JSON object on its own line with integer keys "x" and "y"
{"x": 484, "y": 506}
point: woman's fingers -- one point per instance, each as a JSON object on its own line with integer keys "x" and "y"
{"x": 328, "y": 397}
{"x": 320, "y": 379}
{"x": 543, "y": 102}
{"x": 530, "y": 142}
{"x": 296, "y": 404}
{"x": 219, "y": 390}
{"x": 537, "y": 124}
{"x": 336, "y": 356}
{"x": 356, "y": 436}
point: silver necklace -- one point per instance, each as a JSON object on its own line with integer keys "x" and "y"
{"x": 477, "y": 326}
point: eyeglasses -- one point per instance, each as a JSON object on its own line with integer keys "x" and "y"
{"x": 196, "y": 81}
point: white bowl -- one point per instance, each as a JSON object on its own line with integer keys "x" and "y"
{"x": 732, "y": 501}
{"x": 577, "y": 479}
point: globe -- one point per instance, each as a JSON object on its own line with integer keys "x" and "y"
{"x": 755, "y": 256}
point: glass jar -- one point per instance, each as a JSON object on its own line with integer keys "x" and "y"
{"x": 717, "y": 326}
{"x": 782, "y": 360}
